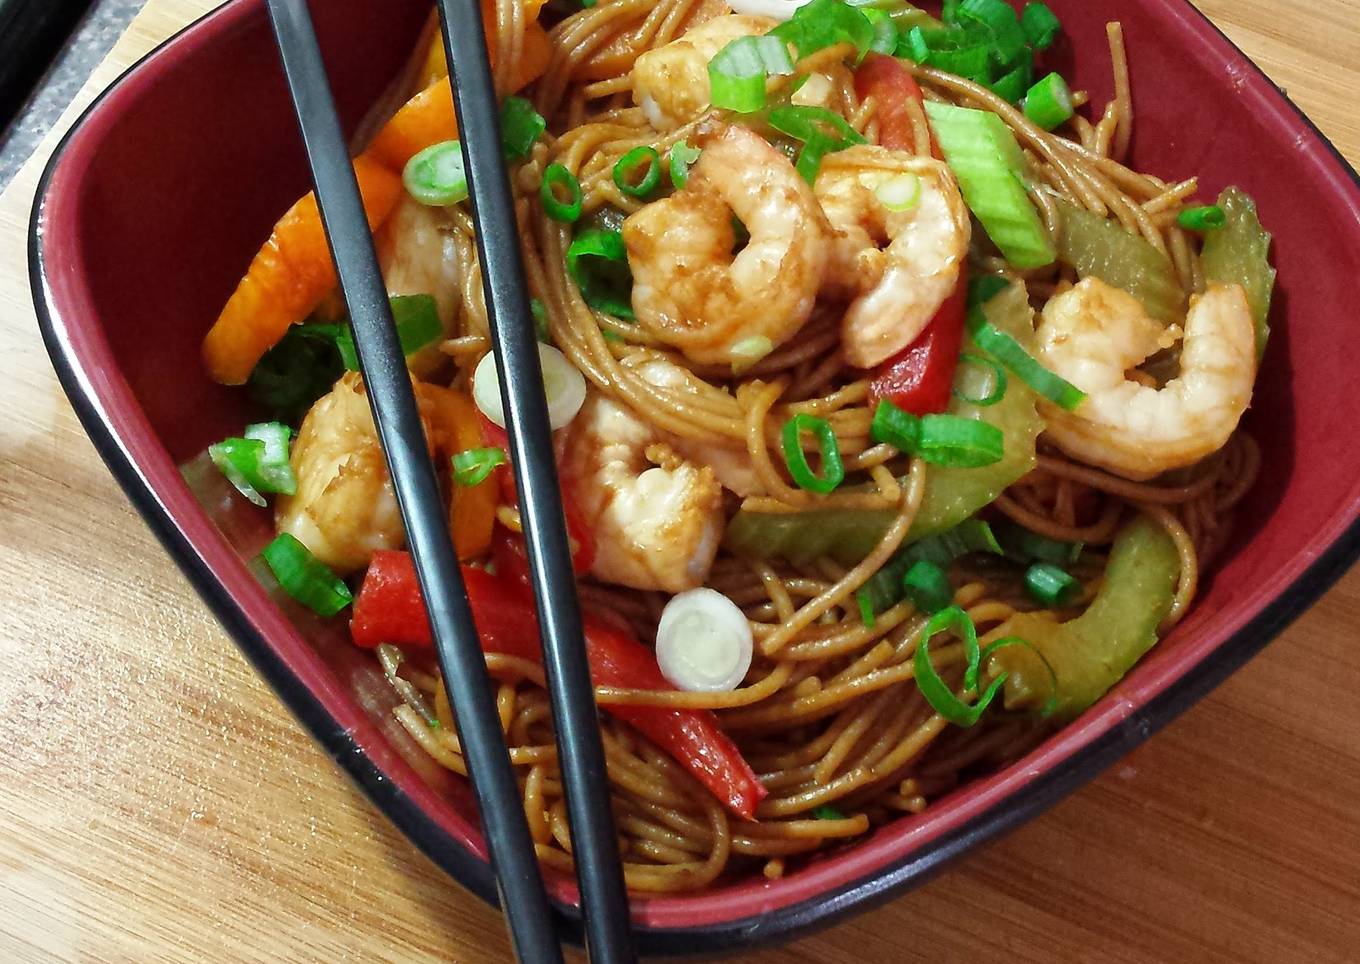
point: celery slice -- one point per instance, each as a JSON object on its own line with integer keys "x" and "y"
{"x": 1091, "y": 653}
{"x": 1101, "y": 248}
{"x": 984, "y": 155}
{"x": 1239, "y": 253}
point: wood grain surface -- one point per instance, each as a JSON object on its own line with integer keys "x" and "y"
{"x": 157, "y": 803}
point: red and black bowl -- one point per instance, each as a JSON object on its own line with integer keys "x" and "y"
{"x": 154, "y": 202}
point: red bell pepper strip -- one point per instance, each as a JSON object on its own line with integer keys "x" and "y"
{"x": 919, "y": 378}
{"x": 389, "y": 610}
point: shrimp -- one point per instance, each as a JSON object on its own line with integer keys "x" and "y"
{"x": 895, "y": 267}
{"x": 657, "y": 519}
{"x": 670, "y": 83}
{"x": 1093, "y": 334}
{"x": 344, "y": 509}
{"x": 691, "y": 291}
{"x": 419, "y": 256}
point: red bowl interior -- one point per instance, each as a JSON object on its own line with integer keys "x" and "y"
{"x": 154, "y": 204}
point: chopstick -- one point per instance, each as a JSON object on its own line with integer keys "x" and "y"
{"x": 523, "y": 897}
{"x": 580, "y": 752}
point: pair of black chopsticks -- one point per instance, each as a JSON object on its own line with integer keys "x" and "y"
{"x": 579, "y": 749}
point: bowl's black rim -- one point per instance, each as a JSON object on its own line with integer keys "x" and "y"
{"x": 785, "y": 923}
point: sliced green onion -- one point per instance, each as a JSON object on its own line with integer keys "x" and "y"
{"x": 1027, "y": 547}
{"x": 274, "y": 469}
{"x": 884, "y": 589}
{"x": 598, "y": 262}
{"x": 825, "y": 812}
{"x": 1011, "y": 86}
{"x": 435, "y": 177}
{"x": 474, "y": 466}
{"x": 521, "y": 126}
{"x": 1022, "y": 364}
{"x": 540, "y": 314}
{"x": 885, "y": 31}
{"x": 983, "y": 288}
{"x": 1210, "y": 217}
{"x": 748, "y": 352}
{"x": 948, "y": 440}
{"x": 236, "y": 459}
{"x": 927, "y": 586}
{"x": 821, "y": 131}
{"x": 1050, "y": 585}
{"x": 630, "y": 175}
{"x": 257, "y": 463}
{"x": 934, "y": 688}
{"x": 985, "y": 381}
{"x": 803, "y": 123}
{"x": 297, "y": 371}
{"x": 558, "y": 180}
{"x": 737, "y": 75}
{"x": 833, "y": 469}
{"x": 973, "y": 62}
{"x": 1049, "y": 102}
{"x": 304, "y": 577}
{"x": 866, "y": 607}
{"x": 914, "y": 45}
{"x": 900, "y": 193}
{"x": 1040, "y": 24}
{"x": 682, "y": 158}
{"x": 1008, "y": 38}
{"x": 825, "y": 23}
{"x": 417, "y": 321}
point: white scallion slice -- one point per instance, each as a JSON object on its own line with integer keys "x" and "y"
{"x": 704, "y": 642}
{"x": 564, "y": 385}
{"x": 748, "y": 351}
{"x": 900, "y": 193}
{"x": 774, "y": 9}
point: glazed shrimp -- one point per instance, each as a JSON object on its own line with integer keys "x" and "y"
{"x": 657, "y": 519}
{"x": 895, "y": 267}
{"x": 419, "y": 256}
{"x": 344, "y": 508}
{"x": 1093, "y": 334}
{"x": 691, "y": 291}
{"x": 670, "y": 83}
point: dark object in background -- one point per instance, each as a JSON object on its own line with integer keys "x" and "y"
{"x": 31, "y": 34}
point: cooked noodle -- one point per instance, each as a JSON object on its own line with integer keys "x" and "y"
{"x": 829, "y": 713}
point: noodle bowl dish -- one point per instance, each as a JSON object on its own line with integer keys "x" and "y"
{"x": 920, "y": 380}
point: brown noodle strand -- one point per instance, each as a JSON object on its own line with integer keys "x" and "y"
{"x": 829, "y": 713}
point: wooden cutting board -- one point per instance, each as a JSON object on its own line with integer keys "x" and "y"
{"x": 158, "y": 803}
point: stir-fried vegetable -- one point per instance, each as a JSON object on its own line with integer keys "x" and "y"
{"x": 304, "y": 577}
{"x": 1239, "y": 253}
{"x": 258, "y": 462}
{"x": 992, "y": 172}
{"x": 833, "y": 469}
{"x": 1091, "y": 653}
{"x": 985, "y": 41}
{"x": 390, "y": 610}
{"x": 886, "y": 587}
{"x": 1049, "y": 102}
{"x": 952, "y": 494}
{"x": 1101, "y": 248}
{"x": 297, "y": 371}
{"x": 704, "y": 642}
{"x": 435, "y": 176}
{"x": 287, "y": 279}
{"x": 563, "y": 384}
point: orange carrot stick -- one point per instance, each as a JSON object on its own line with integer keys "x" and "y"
{"x": 287, "y": 279}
